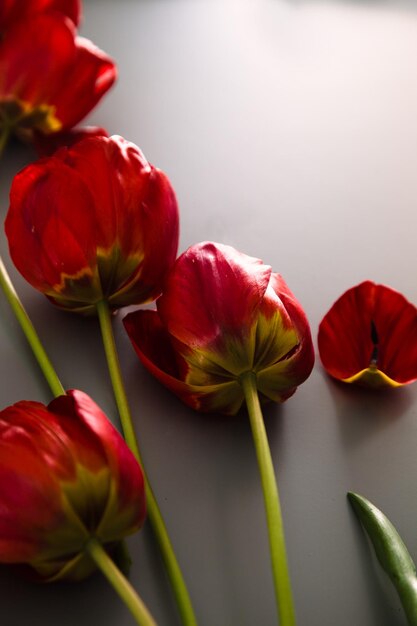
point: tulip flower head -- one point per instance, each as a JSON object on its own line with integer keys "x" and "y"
{"x": 49, "y": 77}
{"x": 223, "y": 314}
{"x": 93, "y": 222}
{"x": 66, "y": 475}
{"x": 369, "y": 337}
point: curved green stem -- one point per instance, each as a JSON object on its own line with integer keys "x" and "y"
{"x": 119, "y": 583}
{"x": 30, "y": 332}
{"x": 174, "y": 572}
{"x": 272, "y": 504}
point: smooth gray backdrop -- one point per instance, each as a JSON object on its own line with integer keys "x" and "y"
{"x": 289, "y": 130}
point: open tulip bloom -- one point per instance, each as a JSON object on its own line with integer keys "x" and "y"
{"x": 369, "y": 337}
{"x": 226, "y": 329}
{"x": 49, "y": 77}
{"x": 70, "y": 490}
{"x": 95, "y": 227}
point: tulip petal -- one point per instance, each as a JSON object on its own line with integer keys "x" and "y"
{"x": 220, "y": 319}
{"x": 276, "y": 336}
{"x": 91, "y": 73}
{"x": 50, "y": 204}
{"x": 372, "y": 377}
{"x": 124, "y": 469}
{"x": 153, "y": 346}
{"x": 370, "y": 327}
{"x": 136, "y": 217}
{"x": 35, "y": 57}
{"x": 14, "y": 11}
{"x": 28, "y": 481}
{"x": 49, "y": 78}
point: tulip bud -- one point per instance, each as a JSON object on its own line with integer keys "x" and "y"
{"x": 93, "y": 222}
{"x": 66, "y": 475}
{"x": 223, "y": 314}
{"x": 369, "y": 337}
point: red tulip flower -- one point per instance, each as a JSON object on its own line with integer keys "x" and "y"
{"x": 223, "y": 314}
{"x": 49, "y": 78}
{"x": 228, "y": 331}
{"x": 93, "y": 222}
{"x": 66, "y": 475}
{"x": 369, "y": 337}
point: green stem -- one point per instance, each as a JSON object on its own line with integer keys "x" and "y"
{"x": 38, "y": 350}
{"x": 30, "y": 332}
{"x": 272, "y": 504}
{"x": 174, "y": 572}
{"x": 119, "y": 583}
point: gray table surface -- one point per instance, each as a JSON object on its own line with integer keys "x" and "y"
{"x": 289, "y": 130}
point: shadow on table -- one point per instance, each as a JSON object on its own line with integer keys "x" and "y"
{"x": 57, "y": 603}
{"x": 363, "y": 412}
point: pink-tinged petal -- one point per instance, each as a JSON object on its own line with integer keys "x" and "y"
{"x": 15, "y": 11}
{"x": 153, "y": 346}
{"x": 50, "y": 205}
{"x": 91, "y": 74}
{"x": 213, "y": 291}
{"x": 47, "y": 145}
{"x": 370, "y": 336}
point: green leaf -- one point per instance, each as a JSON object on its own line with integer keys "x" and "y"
{"x": 390, "y": 551}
